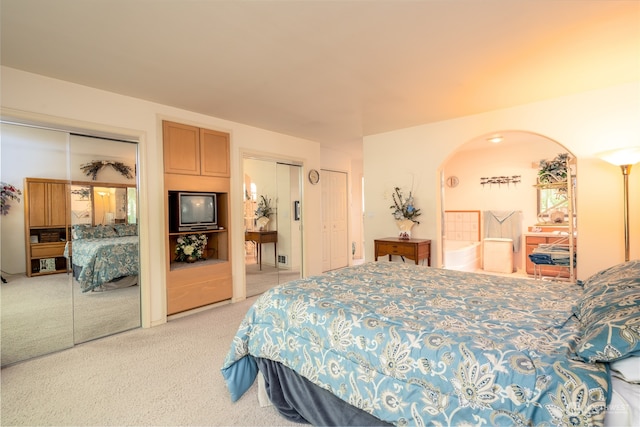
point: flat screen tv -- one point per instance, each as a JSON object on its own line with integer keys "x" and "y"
{"x": 191, "y": 211}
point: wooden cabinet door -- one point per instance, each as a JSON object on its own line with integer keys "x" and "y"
{"x": 47, "y": 204}
{"x": 58, "y": 200}
{"x": 214, "y": 153}
{"x": 38, "y": 209}
{"x": 181, "y": 148}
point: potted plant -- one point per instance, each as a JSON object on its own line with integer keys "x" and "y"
{"x": 7, "y": 193}
{"x": 553, "y": 171}
{"x": 263, "y": 212}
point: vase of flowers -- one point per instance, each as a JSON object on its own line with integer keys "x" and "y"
{"x": 405, "y": 213}
{"x": 191, "y": 247}
{"x": 7, "y": 193}
{"x": 263, "y": 213}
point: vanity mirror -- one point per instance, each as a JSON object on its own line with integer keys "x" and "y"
{"x": 553, "y": 206}
{"x": 555, "y": 176}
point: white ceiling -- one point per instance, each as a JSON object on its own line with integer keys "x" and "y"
{"x": 329, "y": 71}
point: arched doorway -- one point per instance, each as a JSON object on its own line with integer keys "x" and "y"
{"x": 492, "y": 175}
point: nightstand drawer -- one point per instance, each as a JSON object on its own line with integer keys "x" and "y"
{"x": 392, "y": 249}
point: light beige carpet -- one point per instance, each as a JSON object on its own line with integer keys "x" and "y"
{"x": 168, "y": 375}
{"x": 47, "y": 313}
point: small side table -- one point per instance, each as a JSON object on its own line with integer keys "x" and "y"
{"x": 415, "y": 249}
{"x": 260, "y": 237}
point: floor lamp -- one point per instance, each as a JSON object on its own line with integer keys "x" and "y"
{"x": 625, "y": 158}
{"x": 102, "y": 194}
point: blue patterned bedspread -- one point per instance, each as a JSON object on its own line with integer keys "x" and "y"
{"x": 414, "y": 345}
{"x": 102, "y": 260}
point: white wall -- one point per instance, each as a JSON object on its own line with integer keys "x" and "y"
{"x": 585, "y": 123}
{"x": 41, "y": 99}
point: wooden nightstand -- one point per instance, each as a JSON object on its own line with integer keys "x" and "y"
{"x": 415, "y": 249}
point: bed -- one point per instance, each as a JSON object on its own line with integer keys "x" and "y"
{"x": 105, "y": 256}
{"x": 393, "y": 343}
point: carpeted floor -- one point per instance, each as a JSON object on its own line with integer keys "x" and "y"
{"x": 48, "y": 313}
{"x": 168, "y": 375}
{"x": 260, "y": 280}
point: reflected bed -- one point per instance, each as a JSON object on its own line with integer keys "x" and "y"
{"x": 105, "y": 257}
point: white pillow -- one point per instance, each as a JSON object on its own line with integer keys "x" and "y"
{"x": 627, "y": 369}
{"x": 623, "y": 410}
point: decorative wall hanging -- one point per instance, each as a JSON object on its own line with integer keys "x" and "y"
{"x": 92, "y": 168}
{"x": 513, "y": 179}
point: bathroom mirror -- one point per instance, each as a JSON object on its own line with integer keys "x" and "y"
{"x": 48, "y": 311}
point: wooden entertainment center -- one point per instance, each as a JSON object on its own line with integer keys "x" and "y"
{"x": 197, "y": 159}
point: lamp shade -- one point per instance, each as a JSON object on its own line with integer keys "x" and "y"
{"x": 621, "y": 156}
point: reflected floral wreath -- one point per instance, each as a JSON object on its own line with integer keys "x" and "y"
{"x": 92, "y": 168}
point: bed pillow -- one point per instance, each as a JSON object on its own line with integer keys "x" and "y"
{"x": 614, "y": 277}
{"x": 97, "y": 232}
{"x": 105, "y": 231}
{"x": 126, "y": 229}
{"x": 627, "y": 369}
{"x": 610, "y": 281}
{"x": 78, "y": 231}
{"x": 609, "y": 314}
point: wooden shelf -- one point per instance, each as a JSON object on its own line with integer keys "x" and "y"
{"x": 46, "y": 213}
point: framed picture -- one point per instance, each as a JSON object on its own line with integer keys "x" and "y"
{"x": 296, "y": 210}
{"x": 34, "y": 238}
{"x": 48, "y": 264}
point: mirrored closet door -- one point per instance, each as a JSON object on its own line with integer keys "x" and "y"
{"x": 272, "y": 223}
{"x": 70, "y": 243}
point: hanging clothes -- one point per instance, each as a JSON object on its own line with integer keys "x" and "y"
{"x": 504, "y": 225}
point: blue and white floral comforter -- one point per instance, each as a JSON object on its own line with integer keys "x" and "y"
{"x": 414, "y": 345}
{"x": 102, "y": 260}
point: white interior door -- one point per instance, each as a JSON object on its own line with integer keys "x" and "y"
{"x": 335, "y": 232}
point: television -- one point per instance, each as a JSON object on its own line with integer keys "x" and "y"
{"x": 192, "y": 211}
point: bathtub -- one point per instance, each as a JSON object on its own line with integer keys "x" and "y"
{"x": 462, "y": 255}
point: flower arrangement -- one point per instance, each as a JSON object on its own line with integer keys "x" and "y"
{"x": 8, "y": 193}
{"x": 404, "y": 208}
{"x": 553, "y": 171}
{"x": 190, "y": 247}
{"x": 264, "y": 208}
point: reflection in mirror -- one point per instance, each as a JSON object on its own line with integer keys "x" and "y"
{"x": 553, "y": 206}
{"x": 105, "y": 259}
{"x": 37, "y": 311}
{"x": 273, "y": 241}
{"x": 51, "y": 300}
